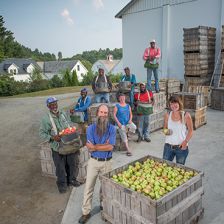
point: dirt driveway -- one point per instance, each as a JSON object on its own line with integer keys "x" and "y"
{"x": 26, "y": 196}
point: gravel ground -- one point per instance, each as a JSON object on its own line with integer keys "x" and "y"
{"x": 26, "y": 196}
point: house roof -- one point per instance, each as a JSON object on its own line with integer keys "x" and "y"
{"x": 58, "y": 66}
{"x": 109, "y": 65}
{"x": 21, "y": 63}
{"x": 146, "y": 5}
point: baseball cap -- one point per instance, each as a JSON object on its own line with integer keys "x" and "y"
{"x": 51, "y": 100}
{"x": 153, "y": 41}
{"x": 84, "y": 90}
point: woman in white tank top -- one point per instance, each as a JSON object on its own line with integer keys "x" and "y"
{"x": 178, "y": 129}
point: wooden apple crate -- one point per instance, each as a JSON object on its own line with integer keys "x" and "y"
{"x": 160, "y": 102}
{"x": 217, "y": 98}
{"x": 194, "y": 81}
{"x": 48, "y": 167}
{"x": 199, "y": 117}
{"x": 191, "y": 100}
{"x": 123, "y": 205}
{"x": 205, "y": 90}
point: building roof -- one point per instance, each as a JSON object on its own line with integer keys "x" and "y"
{"x": 138, "y": 6}
{"x": 109, "y": 65}
{"x": 21, "y": 63}
{"x": 59, "y": 66}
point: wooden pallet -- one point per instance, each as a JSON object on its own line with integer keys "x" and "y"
{"x": 123, "y": 205}
{"x": 195, "y": 81}
{"x": 201, "y": 89}
{"x": 191, "y": 100}
{"x": 217, "y": 98}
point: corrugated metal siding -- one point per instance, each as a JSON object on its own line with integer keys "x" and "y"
{"x": 143, "y": 5}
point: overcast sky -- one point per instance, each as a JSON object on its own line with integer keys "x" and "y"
{"x": 69, "y": 26}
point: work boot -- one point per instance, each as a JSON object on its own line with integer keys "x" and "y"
{"x": 139, "y": 139}
{"x": 74, "y": 183}
{"x": 62, "y": 189}
{"x": 147, "y": 139}
{"x": 84, "y": 218}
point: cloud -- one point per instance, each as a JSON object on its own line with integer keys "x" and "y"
{"x": 98, "y": 4}
{"x": 66, "y": 15}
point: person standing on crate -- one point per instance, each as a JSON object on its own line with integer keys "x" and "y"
{"x": 151, "y": 57}
{"x": 101, "y": 86}
{"x": 101, "y": 138}
{"x": 144, "y": 102}
{"x": 132, "y": 79}
{"x": 82, "y": 105}
{"x": 178, "y": 129}
{"x": 66, "y": 165}
{"x": 123, "y": 118}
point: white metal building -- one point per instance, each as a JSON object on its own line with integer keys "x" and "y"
{"x": 164, "y": 20}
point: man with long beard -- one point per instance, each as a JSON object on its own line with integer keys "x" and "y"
{"x": 101, "y": 138}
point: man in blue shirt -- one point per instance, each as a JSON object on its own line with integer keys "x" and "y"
{"x": 101, "y": 138}
{"x": 83, "y": 103}
{"x": 131, "y": 78}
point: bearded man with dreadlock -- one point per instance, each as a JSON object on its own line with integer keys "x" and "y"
{"x": 101, "y": 138}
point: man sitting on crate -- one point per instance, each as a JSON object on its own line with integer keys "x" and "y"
{"x": 144, "y": 105}
{"x": 66, "y": 162}
{"x": 80, "y": 109}
{"x": 131, "y": 78}
{"x": 101, "y": 86}
{"x": 101, "y": 138}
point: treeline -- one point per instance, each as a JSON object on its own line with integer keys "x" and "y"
{"x": 10, "y": 48}
{"x": 93, "y": 56}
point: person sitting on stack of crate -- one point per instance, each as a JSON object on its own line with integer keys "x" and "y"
{"x": 79, "y": 113}
{"x": 123, "y": 118}
{"x": 127, "y": 84}
{"x": 101, "y": 86}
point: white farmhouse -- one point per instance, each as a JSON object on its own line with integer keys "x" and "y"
{"x": 52, "y": 68}
{"x": 164, "y": 20}
{"x": 19, "y": 68}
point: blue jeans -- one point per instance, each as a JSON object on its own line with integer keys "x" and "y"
{"x": 102, "y": 98}
{"x": 149, "y": 77}
{"x": 169, "y": 153}
{"x": 131, "y": 95}
{"x": 144, "y": 126}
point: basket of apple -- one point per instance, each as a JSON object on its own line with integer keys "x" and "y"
{"x": 153, "y": 178}
{"x": 68, "y": 135}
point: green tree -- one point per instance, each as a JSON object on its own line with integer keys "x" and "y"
{"x": 36, "y": 74}
{"x": 87, "y": 79}
{"x": 87, "y": 64}
{"x": 59, "y": 56}
{"x": 56, "y": 82}
{"x": 74, "y": 79}
{"x": 67, "y": 78}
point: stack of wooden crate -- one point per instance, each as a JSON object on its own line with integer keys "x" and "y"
{"x": 48, "y": 167}
{"x": 169, "y": 86}
{"x": 124, "y": 205}
{"x": 199, "y": 55}
{"x": 222, "y": 59}
{"x": 194, "y": 104}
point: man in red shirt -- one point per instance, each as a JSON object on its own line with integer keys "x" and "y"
{"x": 152, "y": 55}
{"x": 144, "y": 102}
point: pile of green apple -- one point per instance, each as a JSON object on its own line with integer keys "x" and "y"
{"x": 153, "y": 178}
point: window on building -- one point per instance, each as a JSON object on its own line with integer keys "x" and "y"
{"x": 11, "y": 71}
{"x": 78, "y": 67}
{"x": 14, "y": 72}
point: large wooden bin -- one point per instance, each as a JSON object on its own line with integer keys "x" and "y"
{"x": 48, "y": 167}
{"x": 123, "y": 205}
{"x": 217, "y": 99}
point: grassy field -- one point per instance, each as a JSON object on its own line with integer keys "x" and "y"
{"x": 48, "y": 92}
